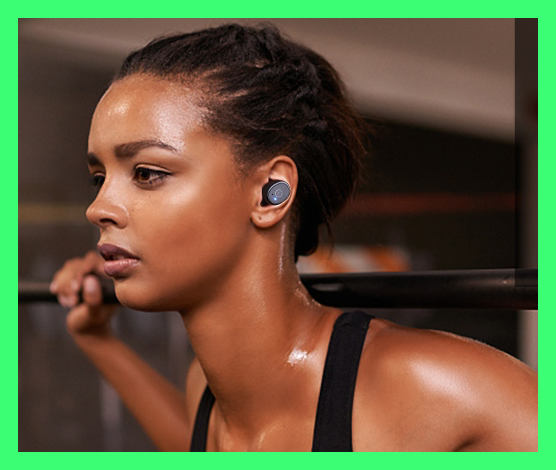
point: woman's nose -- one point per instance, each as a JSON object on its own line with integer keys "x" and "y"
{"x": 105, "y": 210}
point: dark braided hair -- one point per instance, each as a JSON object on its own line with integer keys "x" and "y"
{"x": 272, "y": 97}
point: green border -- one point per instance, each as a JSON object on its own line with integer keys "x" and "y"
{"x": 283, "y": 9}
{"x": 547, "y": 168}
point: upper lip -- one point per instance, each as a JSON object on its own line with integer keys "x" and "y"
{"x": 111, "y": 252}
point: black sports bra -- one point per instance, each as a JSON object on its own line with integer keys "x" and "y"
{"x": 332, "y": 431}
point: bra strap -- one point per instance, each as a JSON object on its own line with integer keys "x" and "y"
{"x": 334, "y": 410}
{"x": 200, "y": 430}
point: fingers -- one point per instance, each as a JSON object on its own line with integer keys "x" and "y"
{"x": 68, "y": 280}
{"x": 92, "y": 292}
{"x": 87, "y": 319}
{"x": 88, "y": 316}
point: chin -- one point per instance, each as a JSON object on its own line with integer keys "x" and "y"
{"x": 140, "y": 299}
{"x": 147, "y": 295}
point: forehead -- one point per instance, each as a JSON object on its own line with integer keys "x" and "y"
{"x": 143, "y": 106}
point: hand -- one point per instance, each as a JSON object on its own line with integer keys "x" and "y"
{"x": 82, "y": 274}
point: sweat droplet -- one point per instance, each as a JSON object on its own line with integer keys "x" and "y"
{"x": 297, "y": 356}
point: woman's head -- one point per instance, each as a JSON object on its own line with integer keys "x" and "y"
{"x": 168, "y": 198}
{"x": 268, "y": 97}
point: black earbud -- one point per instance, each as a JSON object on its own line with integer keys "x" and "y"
{"x": 275, "y": 192}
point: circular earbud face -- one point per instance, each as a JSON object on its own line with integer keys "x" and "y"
{"x": 278, "y": 193}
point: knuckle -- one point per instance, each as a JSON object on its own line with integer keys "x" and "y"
{"x": 70, "y": 265}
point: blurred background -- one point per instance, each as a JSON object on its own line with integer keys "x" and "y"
{"x": 450, "y": 184}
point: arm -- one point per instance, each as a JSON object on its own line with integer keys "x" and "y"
{"x": 159, "y": 407}
{"x": 435, "y": 391}
{"x": 492, "y": 397}
{"x": 502, "y": 399}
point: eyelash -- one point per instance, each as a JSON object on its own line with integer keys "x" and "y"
{"x": 98, "y": 179}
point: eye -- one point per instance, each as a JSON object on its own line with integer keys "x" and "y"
{"x": 96, "y": 180}
{"x": 148, "y": 176}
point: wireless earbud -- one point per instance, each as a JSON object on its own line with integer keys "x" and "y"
{"x": 275, "y": 192}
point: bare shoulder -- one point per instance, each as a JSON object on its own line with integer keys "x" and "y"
{"x": 194, "y": 386}
{"x": 437, "y": 391}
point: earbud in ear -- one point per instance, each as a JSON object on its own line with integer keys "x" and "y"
{"x": 275, "y": 192}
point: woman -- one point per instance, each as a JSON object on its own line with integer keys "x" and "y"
{"x": 185, "y": 148}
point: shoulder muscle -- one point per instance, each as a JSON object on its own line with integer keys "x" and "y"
{"x": 448, "y": 392}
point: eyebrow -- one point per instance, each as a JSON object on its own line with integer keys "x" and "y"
{"x": 130, "y": 149}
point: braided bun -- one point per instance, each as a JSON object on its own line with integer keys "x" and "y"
{"x": 272, "y": 97}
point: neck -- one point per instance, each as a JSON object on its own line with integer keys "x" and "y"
{"x": 257, "y": 342}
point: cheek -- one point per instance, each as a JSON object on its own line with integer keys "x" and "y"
{"x": 190, "y": 242}
{"x": 193, "y": 228}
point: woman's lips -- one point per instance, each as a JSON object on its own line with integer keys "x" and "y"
{"x": 119, "y": 267}
{"x": 118, "y": 261}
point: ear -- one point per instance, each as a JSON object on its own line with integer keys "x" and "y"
{"x": 281, "y": 168}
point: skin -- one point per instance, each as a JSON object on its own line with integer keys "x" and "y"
{"x": 208, "y": 249}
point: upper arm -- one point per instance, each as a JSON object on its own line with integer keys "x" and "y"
{"x": 501, "y": 394}
{"x": 437, "y": 391}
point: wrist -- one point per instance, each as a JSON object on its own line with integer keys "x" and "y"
{"x": 92, "y": 335}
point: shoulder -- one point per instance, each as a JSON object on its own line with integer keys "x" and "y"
{"x": 439, "y": 391}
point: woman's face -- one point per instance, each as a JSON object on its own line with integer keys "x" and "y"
{"x": 168, "y": 194}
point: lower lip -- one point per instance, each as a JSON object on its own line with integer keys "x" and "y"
{"x": 119, "y": 267}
